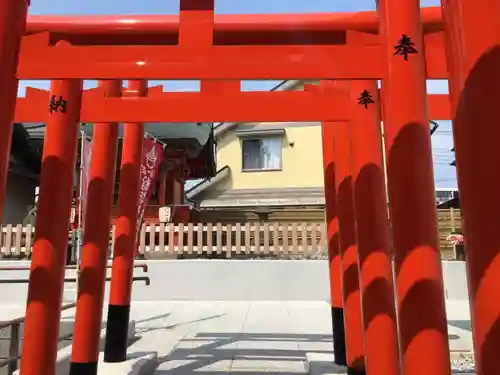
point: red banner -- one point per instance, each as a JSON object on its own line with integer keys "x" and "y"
{"x": 152, "y": 156}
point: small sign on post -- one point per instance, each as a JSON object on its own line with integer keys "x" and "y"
{"x": 165, "y": 214}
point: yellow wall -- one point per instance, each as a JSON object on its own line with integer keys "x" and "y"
{"x": 301, "y": 84}
{"x": 302, "y": 164}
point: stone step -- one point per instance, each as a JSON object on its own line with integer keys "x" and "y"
{"x": 64, "y": 353}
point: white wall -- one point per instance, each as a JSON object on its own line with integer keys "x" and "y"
{"x": 20, "y": 197}
{"x": 232, "y": 280}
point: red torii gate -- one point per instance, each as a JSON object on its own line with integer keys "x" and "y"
{"x": 33, "y": 107}
{"x": 357, "y": 55}
{"x": 228, "y": 28}
{"x": 246, "y": 106}
{"x": 472, "y": 52}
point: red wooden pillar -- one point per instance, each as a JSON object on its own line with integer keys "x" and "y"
{"x": 335, "y": 268}
{"x": 473, "y": 35}
{"x": 162, "y": 189}
{"x": 196, "y": 24}
{"x": 115, "y": 349}
{"x": 86, "y": 338}
{"x": 170, "y": 182}
{"x": 12, "y": 25}
{"x": 43, "y": 311}
{"x": 348, "y": 250}
{"x": 217, "y": 87}
{"x": 179, "y": 196}
{"x": 372, "y": 229}
{"x": 452, "y": 37}
{"x": 420, "y": 294}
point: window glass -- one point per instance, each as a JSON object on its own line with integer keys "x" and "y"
{"x": 262, "y": 154}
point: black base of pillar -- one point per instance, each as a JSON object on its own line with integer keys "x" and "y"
{"x": 83, "y": 368}
{"x": 339, "y": 347}
{"x": 355, "y": 371}
{"x": 115, "y": 349}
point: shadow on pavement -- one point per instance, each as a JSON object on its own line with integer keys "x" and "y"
{"x": 206, "y": 353}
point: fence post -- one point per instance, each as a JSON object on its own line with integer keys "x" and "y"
{"x": 13, "y": 348}
{"x": 452, "y": 219}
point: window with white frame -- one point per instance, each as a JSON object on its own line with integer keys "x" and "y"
{"x": 262, "y": 153}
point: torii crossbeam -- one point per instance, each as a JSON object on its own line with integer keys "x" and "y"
{"x": 331, "y": 105}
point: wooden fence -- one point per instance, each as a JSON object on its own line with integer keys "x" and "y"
{"x": 271, "y": 239}
{"x": 225, "y": 240}
{"x": 449, "y": 220}
{"x": 249, "y": 238}
{"x": 16, "y": 240}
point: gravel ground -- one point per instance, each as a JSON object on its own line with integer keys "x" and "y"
{"x": 463, "y": 365}
{"x": 65, "y": 329}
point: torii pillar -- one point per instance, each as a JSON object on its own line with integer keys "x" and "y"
{"x": 349, "y": 252}
{"x": 372, "y": 232}
{"x": 12, "y": 27}
{"x": 410, "y": 180}
{"x": 473, "y": 48}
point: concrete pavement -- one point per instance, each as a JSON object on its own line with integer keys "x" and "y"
{"x": 223, "y": 334}
{"x": 211, "y": 338}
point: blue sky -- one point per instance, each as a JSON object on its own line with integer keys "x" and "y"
{"x": 442, "y": 141}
